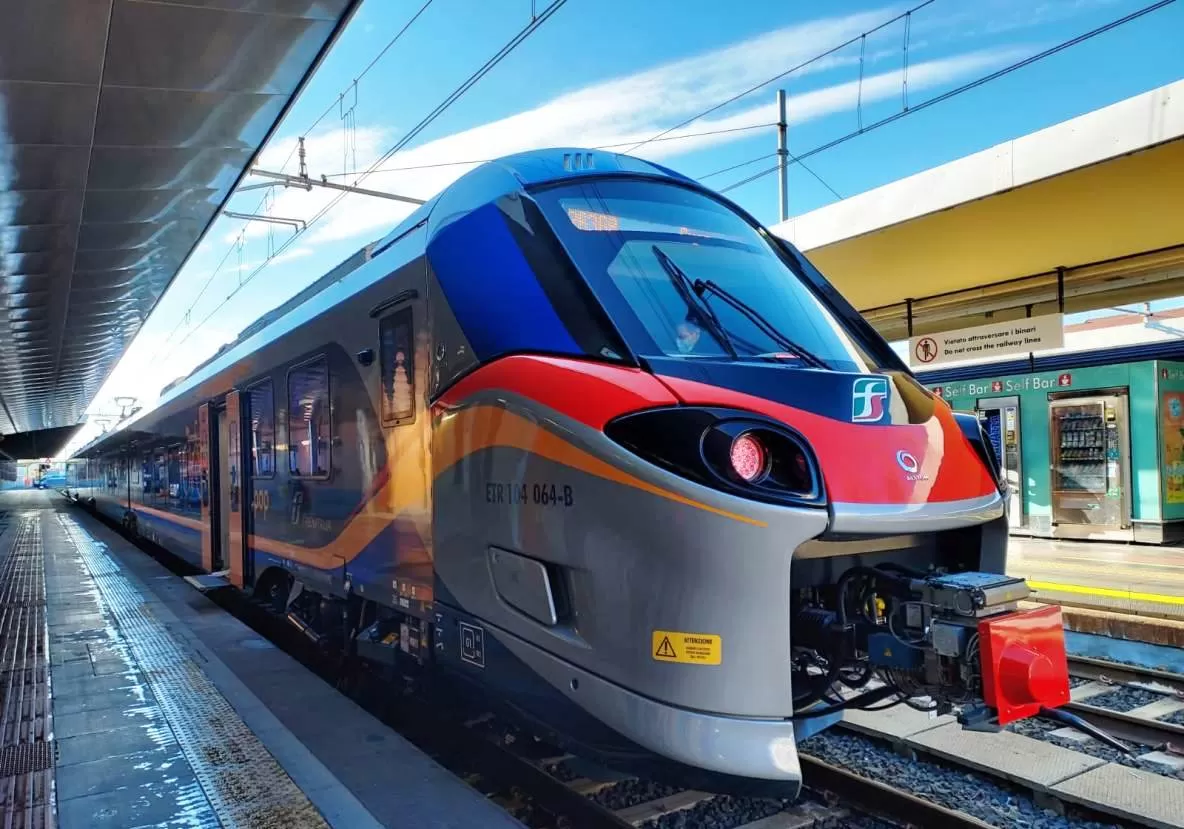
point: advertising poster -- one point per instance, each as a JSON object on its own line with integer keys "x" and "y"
{"x": 1172, "y": 417}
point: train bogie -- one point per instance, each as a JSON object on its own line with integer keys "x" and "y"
{"x": 583, "y": 438}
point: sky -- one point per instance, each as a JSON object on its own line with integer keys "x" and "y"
{"x": 617, "y": 72}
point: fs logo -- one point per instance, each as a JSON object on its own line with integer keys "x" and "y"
{"x": 869, "y": 399}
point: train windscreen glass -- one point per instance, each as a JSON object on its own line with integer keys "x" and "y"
{"x": 697, "y": 277}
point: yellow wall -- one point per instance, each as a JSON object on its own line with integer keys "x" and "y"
{"x": 1127, "y": 205}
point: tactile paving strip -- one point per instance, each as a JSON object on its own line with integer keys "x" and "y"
{"x": 244, "y": 784}
{"x": 26, "y": 731}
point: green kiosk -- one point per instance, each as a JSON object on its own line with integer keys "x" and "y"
{"x": 1094, "y": 452}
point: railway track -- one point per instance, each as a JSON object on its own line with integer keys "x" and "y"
{"x": 1141, "y": 724}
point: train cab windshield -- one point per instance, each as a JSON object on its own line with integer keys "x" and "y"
{"x": 685, "y": 276}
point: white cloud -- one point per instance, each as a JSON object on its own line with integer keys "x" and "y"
{"x": 617, "y": 118}
{"x": 621, "y": 111}
{"x": 987, "y": 18}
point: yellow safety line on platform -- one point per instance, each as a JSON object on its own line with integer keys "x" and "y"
{"x": 1107, "y": 592}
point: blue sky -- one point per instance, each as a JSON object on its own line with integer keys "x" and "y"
{"x": 622, "y": 70}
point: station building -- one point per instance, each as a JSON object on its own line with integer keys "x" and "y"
{"x": 1035, "y": 235}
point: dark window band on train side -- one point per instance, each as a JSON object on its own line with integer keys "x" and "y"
{"x": 309, "y": 420}
{"x": 262, "y": 412}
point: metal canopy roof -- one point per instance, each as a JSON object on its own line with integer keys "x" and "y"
{"x": 124, "y": 127}
{"x": 42, "y": 443}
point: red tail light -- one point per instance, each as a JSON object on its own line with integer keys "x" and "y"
{"x": 1024, "y": 665}
{"x": 749, "y": 458}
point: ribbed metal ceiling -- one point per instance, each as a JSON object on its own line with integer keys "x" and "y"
{"x": 124, "y": 126}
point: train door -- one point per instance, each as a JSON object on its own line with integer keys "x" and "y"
{"x": 232, "y": 489}
{"x": 1001, "y": 421}
{"x": 205, "y": 471}
{"x": 224, "y": 482}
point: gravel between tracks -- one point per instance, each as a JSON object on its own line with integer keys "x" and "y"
{"x": 719, "y": 813}
{"x": 991, "y": 801}
{"x": 1176, "y": 718}
{"x": 631, "y": 792}
{"x": 729, "y": 812}
{"x": 1123, "y": 699}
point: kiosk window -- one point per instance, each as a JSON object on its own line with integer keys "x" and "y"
{"x": 262, "y": 429}
{"x": 308, "y": 419}
{"x": 397, "y": 359}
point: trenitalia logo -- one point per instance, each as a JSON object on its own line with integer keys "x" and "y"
{"x": 912, "y": 467}
{"x": 869, "y": 399}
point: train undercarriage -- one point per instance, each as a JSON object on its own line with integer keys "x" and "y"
{"x": 880, "y": 634}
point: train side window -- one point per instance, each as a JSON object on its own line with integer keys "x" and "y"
{"x": 176, "y": 459}
{"x": 263, "y": 429}
{"x": 308, "y": 420}
{"x": 396, "y": 338}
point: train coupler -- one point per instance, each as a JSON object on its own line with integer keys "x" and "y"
{"x": 1024, "y": 664}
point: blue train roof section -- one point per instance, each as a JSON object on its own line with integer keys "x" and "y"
{"x": 514, "y": 173}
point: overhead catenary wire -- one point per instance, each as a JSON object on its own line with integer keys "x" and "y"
{"x": 966, "y": 87}
{"x": 439, "y": 164}
{"x": 237, "y": 244}
{"x": 779, "y": 76}
{"x": 381, "y": 53}
{"x": 793, "y": 159}
{"x": 523, "y": 34}
{"x": 536, "y": 17}
{"x": 732, "y": 167}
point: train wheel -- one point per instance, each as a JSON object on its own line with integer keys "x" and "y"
{"x": 273, "y": 589}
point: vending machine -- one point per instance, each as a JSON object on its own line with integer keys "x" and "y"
{"x": 1089, "y": 447}
{"x": 1000, "y": 417}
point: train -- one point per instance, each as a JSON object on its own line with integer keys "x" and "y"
{"x": 583, "y": 438}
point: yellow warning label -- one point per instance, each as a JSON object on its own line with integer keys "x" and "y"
{"x": 687, "y": 648}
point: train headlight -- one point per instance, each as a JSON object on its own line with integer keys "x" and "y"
{"x": 739, "y": 452}
{"x": 748, "y": 456}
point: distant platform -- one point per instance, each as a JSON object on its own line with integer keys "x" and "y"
{"x": 128, "y": 699}
{"x": 1126, "y": 578}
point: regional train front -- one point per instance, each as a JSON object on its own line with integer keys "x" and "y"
{"x": 759, "y": 517}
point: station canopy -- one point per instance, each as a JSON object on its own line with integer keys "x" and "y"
{"x": 124, "y": 127}
{"x": 1092, "y": 204}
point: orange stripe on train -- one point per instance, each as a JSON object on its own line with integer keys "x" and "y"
{"x": 463, "y": 432}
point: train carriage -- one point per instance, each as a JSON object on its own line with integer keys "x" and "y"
{"x": 587, "y": 437}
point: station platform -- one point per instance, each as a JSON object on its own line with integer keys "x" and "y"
{"x": 1125, "y": 578}
{"x": 128, "y": 699}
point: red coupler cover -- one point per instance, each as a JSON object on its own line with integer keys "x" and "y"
{"x": 1023, "y": 662}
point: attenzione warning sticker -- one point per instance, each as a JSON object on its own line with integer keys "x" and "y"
{"x": 687, "y": 648}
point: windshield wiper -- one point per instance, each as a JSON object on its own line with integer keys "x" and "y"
{"x": 700, "y": 286}
{"x": 682, "y": 283}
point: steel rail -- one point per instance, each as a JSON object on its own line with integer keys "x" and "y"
{"x": 1124, "y": 726}
{"x": 1099, "y": 669}
{"x": 881, "y": 799}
